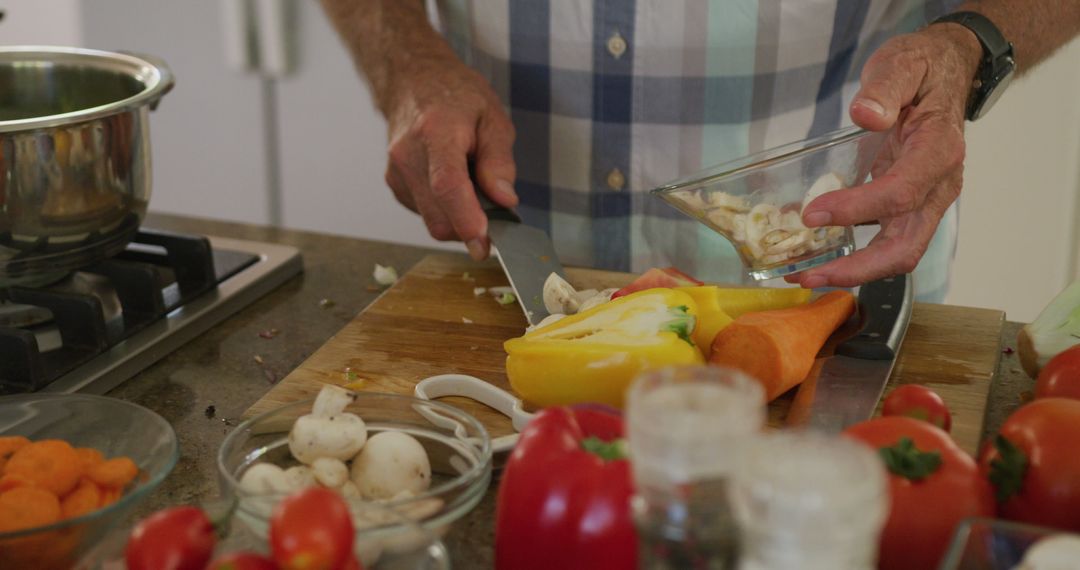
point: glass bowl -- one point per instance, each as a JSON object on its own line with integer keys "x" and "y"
{"x": 426, "y": 551}
{"x": 993, "y": 544}
{"x": 113, "y": 427}
{"x": 756, "y": 202}
{"x": 457, "y": 445}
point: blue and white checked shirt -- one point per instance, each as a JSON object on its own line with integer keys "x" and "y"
{"x": 612, "y": 98}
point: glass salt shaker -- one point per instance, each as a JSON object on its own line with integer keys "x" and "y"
{"x": 686, "y": 427}
{"x": 810, "y": 501}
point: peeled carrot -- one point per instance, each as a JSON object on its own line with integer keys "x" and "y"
{"x": 27, "y": 507}
{"x": 8, "y": 446}
{"x": 89, "y": 457}
{"x": 778, "y": 347}
{"x": 10, "y": 481}
{"x": 114, "y": 473}
{"x": 109, "y": 496}
{"x": 51, "y": 464}
{"x": 85, "y": 498}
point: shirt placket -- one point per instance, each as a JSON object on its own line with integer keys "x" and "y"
{"x": 610, "y": 204}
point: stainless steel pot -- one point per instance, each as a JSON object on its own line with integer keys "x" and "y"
{"x": 74, "y": 156}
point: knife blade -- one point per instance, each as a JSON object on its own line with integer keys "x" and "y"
{"x": 526, "y": 255}
{"x": 844, "y": 388}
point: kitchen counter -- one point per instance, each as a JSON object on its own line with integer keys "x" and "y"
{"x": 203, "y": 387}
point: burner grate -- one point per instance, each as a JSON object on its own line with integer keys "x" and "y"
{"x": 156, "y": 274}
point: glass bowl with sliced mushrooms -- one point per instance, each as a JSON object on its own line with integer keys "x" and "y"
{"x": 407, "y": 467}
{"x": 756, "y": 202}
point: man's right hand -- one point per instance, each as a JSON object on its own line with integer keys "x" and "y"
{"x": 442, "y": 115}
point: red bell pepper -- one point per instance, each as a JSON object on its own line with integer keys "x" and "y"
{"x": 564, "y": 498}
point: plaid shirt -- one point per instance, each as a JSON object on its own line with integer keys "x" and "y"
{"x": 612, "y": 98}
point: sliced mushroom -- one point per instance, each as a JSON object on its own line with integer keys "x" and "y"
{"x": 559, "y": 295}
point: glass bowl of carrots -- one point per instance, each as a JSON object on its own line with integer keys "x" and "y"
{"x": 72, "y": 466}
{"x": 756, "y": 202}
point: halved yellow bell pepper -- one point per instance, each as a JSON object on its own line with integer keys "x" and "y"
{"x": 718, "y": 306}
{"x": 593, "y": 356}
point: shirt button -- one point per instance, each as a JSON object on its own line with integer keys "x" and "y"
{"x": 616, "y": 45}
{"x": 615, "y": 179}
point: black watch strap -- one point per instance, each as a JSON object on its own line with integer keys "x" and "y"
{"x": 996, "y": 64}
{"x": 993, "y": 42}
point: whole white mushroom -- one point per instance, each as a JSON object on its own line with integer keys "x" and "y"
{"x": 391, "y": 462}
{"x": 299, "y": 477}
{"x": 264, "y": 479}
{"x": 330, "y": 472}
{"x": 328, "y": 431}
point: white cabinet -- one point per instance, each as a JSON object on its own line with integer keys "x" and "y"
{"x": 333, "y": 145}
{"x": 34, "y": 22}
{"x": 306, "y": 150}
{"x": 208, "y": 134}
{"x": 1020, "y": 207}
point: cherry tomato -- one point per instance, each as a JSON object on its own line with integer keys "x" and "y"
{"x": 929, "y": 495}
{"x": 310, "y": 530}
{"x": 180, "y": 538}
{"x": 1034, "y": 464}
{"x": 242, "y": 561}
{"x": 917, "y": 402}
{"x": 1060, "y": 378}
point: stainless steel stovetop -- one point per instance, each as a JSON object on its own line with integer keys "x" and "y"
{"x": 55, "y": 349}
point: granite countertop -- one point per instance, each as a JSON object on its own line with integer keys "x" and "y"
{"x": 205, "y": 385}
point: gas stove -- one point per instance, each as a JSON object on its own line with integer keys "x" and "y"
{"x": 103, "y": 324}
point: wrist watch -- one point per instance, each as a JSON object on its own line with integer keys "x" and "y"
{"x": 996, "y": 66}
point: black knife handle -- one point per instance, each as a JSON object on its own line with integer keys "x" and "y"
{"x": 491, "y": 209}
{"x": 885, "y": 309}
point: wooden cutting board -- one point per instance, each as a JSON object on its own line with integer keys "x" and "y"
{"x": 430, "y": 322}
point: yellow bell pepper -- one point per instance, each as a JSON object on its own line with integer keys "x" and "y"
{"x": 718, "y": 306}
{"x": 593, "y": 356}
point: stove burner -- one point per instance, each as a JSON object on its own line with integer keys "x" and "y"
{"x": 13, "y": 315}
{"x": 98, "y": 307}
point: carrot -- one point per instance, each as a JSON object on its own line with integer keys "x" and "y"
{"x": 27, "y": 507}
{"x": 114, "y": 473}
{"x": 8, "y": 446}
{"x": 85, "y": 498}
{"x": 109, "y": 496}
{"x": 778, "y": 347}
{"x": 10, "y": 481}
{"x": 89, "y": 457}
{"x": 51, "y": 464}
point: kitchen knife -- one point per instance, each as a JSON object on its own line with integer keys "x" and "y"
{"x": 844, "y": 388}
{"x": 526, "y": 255}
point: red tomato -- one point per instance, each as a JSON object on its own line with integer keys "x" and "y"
{"x": 924, "y": 510}
{"x": 310, "y": 530}
{"x": 1060, "y": 378}
{"x": 1034, "y": 464}
{"x": 180, "y": 538}
{"x": 919, "y": 402}
{"x": 657, "y": 277}
{"x": 242, "y": 561}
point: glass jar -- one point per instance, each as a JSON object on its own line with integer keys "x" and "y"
{"x": 810, "y": 501}
{"x": 686, "y": 427}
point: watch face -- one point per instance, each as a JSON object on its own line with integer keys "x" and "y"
{"x": 990, "y": 91}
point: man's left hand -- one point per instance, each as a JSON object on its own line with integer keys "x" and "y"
{"x": 919, "y": 84}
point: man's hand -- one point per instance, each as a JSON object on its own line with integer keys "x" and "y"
{"x": 916, "y": 84}
{"x": 442, "y": 116}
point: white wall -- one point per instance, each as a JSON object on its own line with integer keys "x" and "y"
{"x": 1019, "y": 206}
{"x": 40, "y": 22}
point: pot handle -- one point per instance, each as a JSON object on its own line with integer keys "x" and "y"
{"x": 166, "y": 79}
